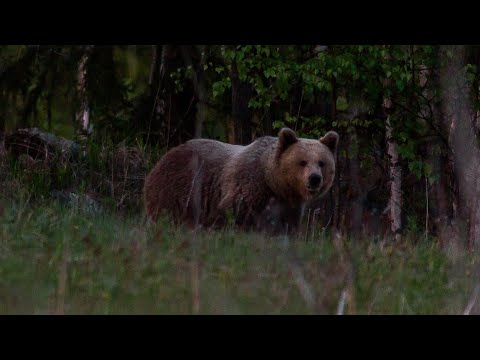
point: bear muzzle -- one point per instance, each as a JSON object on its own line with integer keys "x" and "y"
{"x": 314, "y": 183}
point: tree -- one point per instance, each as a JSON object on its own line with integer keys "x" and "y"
{"x": 460, "y": 115}
{"x": 82, "y": 115}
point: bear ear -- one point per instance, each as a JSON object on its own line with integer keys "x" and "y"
{"x": 330, "y": 139}
{"x": 286, "y": 137}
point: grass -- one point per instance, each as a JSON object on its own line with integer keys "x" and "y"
{"x": 67, "y": 259}
{"x": 57, "y": 260}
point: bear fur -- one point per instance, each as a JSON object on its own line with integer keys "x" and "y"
{"x": 264, "y": 185}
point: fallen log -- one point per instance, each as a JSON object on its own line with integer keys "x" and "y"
{"x": 41, "y": 145}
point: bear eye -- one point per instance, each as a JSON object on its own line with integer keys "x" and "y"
{"x": 303, "y": 163}
{"x": 321, "y": 163}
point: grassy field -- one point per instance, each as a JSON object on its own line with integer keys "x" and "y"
{"x": 58, "y": 260}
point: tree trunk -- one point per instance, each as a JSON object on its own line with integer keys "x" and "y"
{"x": 395, "y": 201}
{"x": 423, "y": 76}
{"x": 154, "y": 67}
{"x": 34, "y": 94}
{"x": 339, "y": 168}
{"x": 49, "y": 98}
{"x": 241, "y": 114}
{"x": 474, "y": 58}
{"x": 353, "y": 168}
{"x": 82, "y": 114}
{"x": 155, "y": 105}
{"x": 199, "y": 84}
{"x": 268, "y": 123}
{"x": 458, "y": 107}
{"x": 474, "y": 238}
{"x": 49, "y": 110}
{"x": 395, "y": 170}
{"x": 440, "y": 203}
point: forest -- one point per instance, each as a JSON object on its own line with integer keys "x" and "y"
{"x": 82, "y": 126}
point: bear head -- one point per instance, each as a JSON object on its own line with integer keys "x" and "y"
{"x": 305, "y": 167}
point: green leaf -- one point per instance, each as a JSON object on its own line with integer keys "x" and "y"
{"x": 342, "y": 103}
{"x": 278, "y": 124}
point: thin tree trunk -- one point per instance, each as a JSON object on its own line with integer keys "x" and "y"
{"x": 339, "y": 169}
{"x": 155, "y": 98}
{"x": 49, "y": 99}
{"x": 199, "y": 85}
{"x": 154, "y": 66}
{"x": 354, "y": 180}
{"x": 268, "y": 123}
{"x": 442, "y": 167}
{"x": 241, "y": 114}
{"x": 423, "y": 76}
{"x": 82, "y": 115}
{"x": 49, "y": 110}
{"x": 158, "y": 68}
{"x": 395, "y": 201}
{"x": 34, "y": 94}
{"x": 395, "y": 169}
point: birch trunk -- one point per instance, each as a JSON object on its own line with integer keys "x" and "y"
{"x": 395, "y": 201}
{"x": 82, "y": 115}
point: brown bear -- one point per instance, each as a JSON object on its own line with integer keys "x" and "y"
{"x": 264, "y": 185}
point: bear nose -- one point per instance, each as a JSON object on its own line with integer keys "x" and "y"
{"x": 314, "y": 180}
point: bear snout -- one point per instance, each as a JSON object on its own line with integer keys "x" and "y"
{"x": 314, "y": 181}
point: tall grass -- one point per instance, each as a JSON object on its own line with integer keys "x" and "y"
{"x": 59, "y": 260}
{"x": 59, "y": 257}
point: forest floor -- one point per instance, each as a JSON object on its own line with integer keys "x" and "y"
{"x": 60, "y": 260}
{"x": 74, "y": 240}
